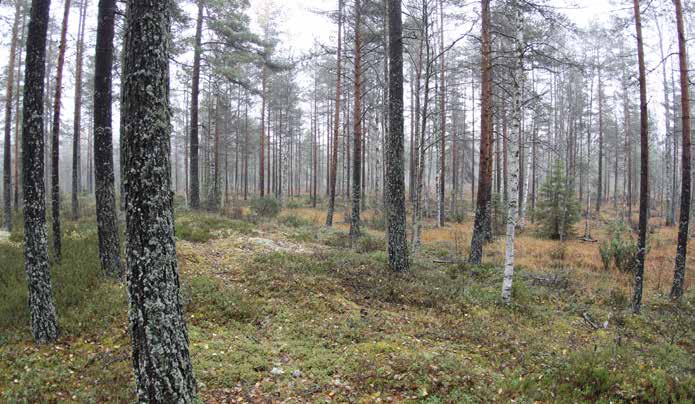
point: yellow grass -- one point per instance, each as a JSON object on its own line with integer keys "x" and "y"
{"x": 581, "y": 259}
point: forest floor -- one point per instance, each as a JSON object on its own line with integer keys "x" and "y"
{"x": 283, "y": 310}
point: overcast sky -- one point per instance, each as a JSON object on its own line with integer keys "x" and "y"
{"x": 301, "y": 27}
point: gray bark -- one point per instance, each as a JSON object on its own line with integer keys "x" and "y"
{"x": 44, "y": 327}
{"x": 161, "y": 359}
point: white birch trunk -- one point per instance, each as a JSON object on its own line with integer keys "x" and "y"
{"x": 514, "y": 163}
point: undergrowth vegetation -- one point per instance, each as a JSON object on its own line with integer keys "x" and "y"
{"x": 305, "y": 316}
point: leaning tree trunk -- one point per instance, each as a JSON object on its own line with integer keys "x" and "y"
{"x": 107, "y": 223}
{"x": 55, "y": 144}
{"x": 514, "y": 162}
{"x": 76, "y": 157}
{"x": 161, "y": 359}
{"x": 195, "y": 92}
{"x": 682, "y": 249}
{"x": 336, "y": 122}
{"x": 357, "y": 156}
{"x": 644, "y": 167}
{"x": 482, "y": 210}
{"x": 44, "y": 326}
{"x": 7, "y": 151}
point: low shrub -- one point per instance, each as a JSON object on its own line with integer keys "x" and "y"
{"x": 266, "y": 207}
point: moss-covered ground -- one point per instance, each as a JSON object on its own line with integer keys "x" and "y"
{"x": 283, "y": 310}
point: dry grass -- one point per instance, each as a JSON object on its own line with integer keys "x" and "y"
{"x": 535, "y": 254}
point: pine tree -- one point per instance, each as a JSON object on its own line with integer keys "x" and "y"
{"x": 107, "y": 224}
{"x": 679, "y": 273}
{"x": 395, "y": 181}
{"x": 44, "y": 326}
{"x": 7, "y": 152}
{"x": 161, "y": 359}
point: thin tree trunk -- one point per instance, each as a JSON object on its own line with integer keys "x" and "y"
{"x": 357, "y": 156}
{"x": 161, "y": 359}
{"x": 644, "y": 167}
{"x": 195, "y": 92}
{"x": 442, "y": 91}
{"x": 682, "y": 249}
{"x": 336, "y": 122}
{"x": 18, "y": 180}
{"x": 7, "y": 152}
{"x": 55, "y": 143}
{"x": 76, "y": 156}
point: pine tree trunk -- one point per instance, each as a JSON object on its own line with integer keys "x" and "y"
{"x": 442, "y": 91}
{"x": 682, "y": 249}
{"x": 161, "y": 360}
{"x": 7, "y": 151}
{"x": 44, "y": 327}
{"x": 55, "y": 143}
{"x": 482, "y": 210}
{"x": 644, "y": 167}
{"x": 357, "y": 110}
{"x": 107, "y": 222}
{"x": 18, "y": 177}
{"x": 336, "y": 122}
{"x": 76, "y": 156}
{"x": 195, "y": 93}
{"x": 599, "y": 188}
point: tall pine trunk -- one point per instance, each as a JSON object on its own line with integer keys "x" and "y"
{"x": 7, "y": 151}
{"x": 76, "y": 155}
{"x": 442, "y": 100}
{"x": 161, "y": 359}
{"x": 195, "y": 92}
{"x": 44, "y": 325}
{"x": 482, "y": 210}
{"x": 107, "y": 223}
{"x": 357, "y": 110}
{"x": 336, "y": 122}
{"x": 644, "y": 166}
{"x": 55, "y": 143}
{"x": 682, "y": 249}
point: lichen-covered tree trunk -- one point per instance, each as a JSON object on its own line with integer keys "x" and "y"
{"x": 684, "y": 221}
{"x": 395, "y": 181}
{"x": 357, "y": 152}
{"x": 195, "y": 92}
{"x": 336, "y": 122}
{"x": 7, "y": 151}
{"x": 44, "y": 325}
{"x": 77, "y": 122}
{"x": 55, "y": 143}
{"x": 158, "y": 329}
{"x": 644, "y": 166}
{"x": 482, "y": 209}
{"x": 107, "y": 224}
